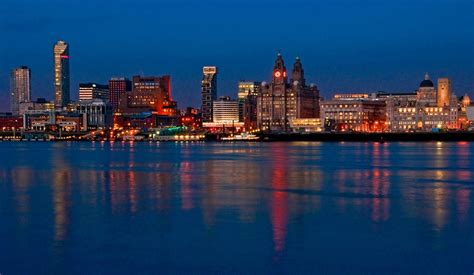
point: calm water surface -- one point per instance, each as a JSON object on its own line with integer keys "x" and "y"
{"x": 87, "y": 208}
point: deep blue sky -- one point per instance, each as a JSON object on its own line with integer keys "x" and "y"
{"x": 345, "y": 45}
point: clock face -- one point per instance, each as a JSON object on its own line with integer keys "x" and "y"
{"x": 277, "y": 74}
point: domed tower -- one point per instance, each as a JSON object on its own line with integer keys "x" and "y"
{"x": 426, "y": 92}
{"x": 279, "y": 71}
{"x": 297, "y": 75}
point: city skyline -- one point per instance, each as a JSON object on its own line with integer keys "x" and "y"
{"x": 339, "y": 56}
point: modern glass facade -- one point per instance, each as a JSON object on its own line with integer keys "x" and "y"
{"x": 61, "y": 74}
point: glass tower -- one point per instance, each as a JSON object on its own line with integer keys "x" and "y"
{"x": 61, "y": 74}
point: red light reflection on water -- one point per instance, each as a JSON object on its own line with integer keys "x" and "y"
{"x": 279, "y": 203}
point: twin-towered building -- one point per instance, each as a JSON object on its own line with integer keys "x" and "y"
{"x": 283, "y": 100}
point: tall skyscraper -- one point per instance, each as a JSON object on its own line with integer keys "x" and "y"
{"x": 444, "y": 92}
{"x": 208, "y": 92}
{"x": 61, "y": 74}
{"x": 20, "y": 88}
{"x": 118, "y": 87}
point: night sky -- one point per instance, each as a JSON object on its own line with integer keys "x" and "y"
{"x": 345, "y": 46}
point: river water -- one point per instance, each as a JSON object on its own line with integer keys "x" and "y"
{"x": 262, "y": 208}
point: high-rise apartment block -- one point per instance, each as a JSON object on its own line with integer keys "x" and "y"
{"x": 20, "y": 88}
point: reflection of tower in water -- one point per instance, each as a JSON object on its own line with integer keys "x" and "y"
{"x": 279, "y": 201}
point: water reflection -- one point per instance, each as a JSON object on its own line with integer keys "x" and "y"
{"x": 259, "y": 194}
{"x": 279, "y": 200}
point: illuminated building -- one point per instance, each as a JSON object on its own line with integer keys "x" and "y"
{"x": 54, "y": 121}
{"x": 10, "y": 122}
{"x": 355, "y": 113}
{"x": 90, "y": 91}
{"x": 421, "y": 111}
{"x": 190, "y": 119}
{"x": 426, "y": 93}
{"x": 149, "y": 94}
{"x": 61, "y": 74}
{"x": 225, "y": 116}
{"x": 247, "y": 96}
{"x": 245, "y": 90}
{"x": 225, "y": 110}
{"x": 20, "y": 88}
{"x": 118, "y": 88}
{"x": 208, "y": 92}
{"x": 97, "y": 112}
{"x": 306, "y": 125}
{"x": 40, "y": 104}
{"x": 464, "y": 104}
{"x": 401, "y": 111}
{"x": 444, "y": 92}
{"x": 281, "y": 100}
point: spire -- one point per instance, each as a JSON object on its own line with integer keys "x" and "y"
{"x": 427, "y": 76}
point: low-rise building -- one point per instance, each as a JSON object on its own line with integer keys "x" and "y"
{"x": 98, "y": 113}
{"x": 355, "y": 113}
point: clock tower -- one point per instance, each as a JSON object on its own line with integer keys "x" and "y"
{"x": 279, "y": 71}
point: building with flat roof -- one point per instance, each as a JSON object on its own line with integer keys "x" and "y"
{"x": 118, "y": 88}
{"x": 90, "y": 91}
{"x": 358, "y": 115}
{"x": 225, "y": 110}
{"x": 20, "y": 88}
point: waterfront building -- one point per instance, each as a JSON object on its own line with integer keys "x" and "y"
{"x": 208, "y": 92}
{"x": 423, "y": 111}
{"x": 61, "y": 74}
{"x": 246, "y": 89}
{"x": 355, "y": 112}
{"x": 248, "y": 92}
{"x": 40, "y": 104}
{"x": 10, "y": 122}
{"x": 225, "y": 116}
{"x": 20, "y": 88}
{"x": 97, "y": 113}
{"x": 306, "y": 125}
{"x": 90, "y": 91}
{"x": 426, "y": 93}
{"x": 464, "y": 103}
{"x": 283, "y": 100}
{"x": 53, "y": 121}
{"x": 444, "y": 92}
{"x": 149, "y": 94}
{"x": 118, "y": 88}
{"x": 190, "y": 118}
{"x": 225, "y": 110}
